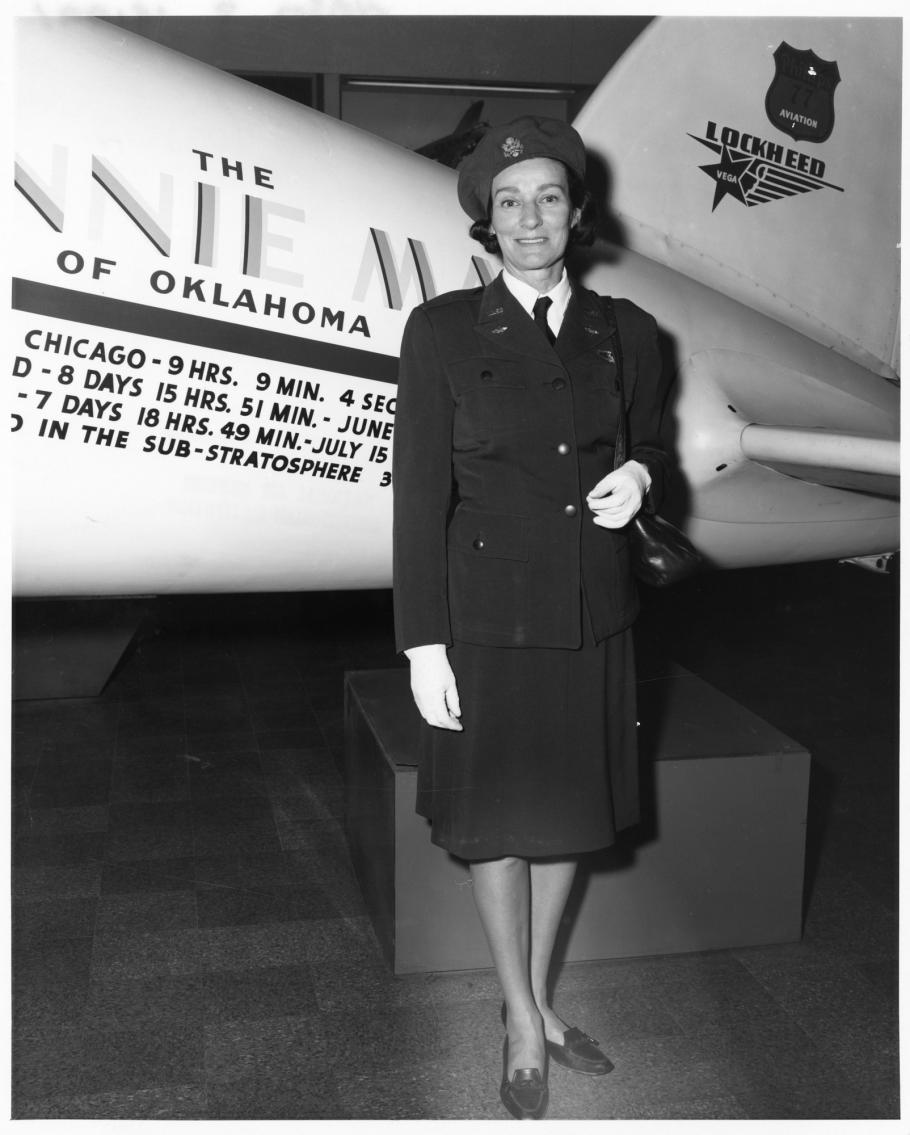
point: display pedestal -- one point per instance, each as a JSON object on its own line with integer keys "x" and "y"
{"x": 68, "y": 648}
{"x": 717, "y": 861}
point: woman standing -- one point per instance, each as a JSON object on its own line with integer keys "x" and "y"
{"x": 513, "y": 594}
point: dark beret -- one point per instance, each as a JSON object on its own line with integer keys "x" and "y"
{"x": 507, "y": 145}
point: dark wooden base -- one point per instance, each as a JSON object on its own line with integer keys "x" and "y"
{"x": 68, "y": 648}
{"x": 716, "y": 862}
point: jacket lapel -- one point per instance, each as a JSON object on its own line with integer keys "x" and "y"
{"x": 505, "y": 323}
{"x": 585, "y": 327}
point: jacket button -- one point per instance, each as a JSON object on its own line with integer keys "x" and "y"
{"x": 486, "y": 375}
{"x": 559, "y": 383}
{"x": 564, "y": 448}
{"x": 477, "y": 543}
{"x": 570, "y": 510}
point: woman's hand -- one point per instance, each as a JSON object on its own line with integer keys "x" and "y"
{"x": 433, "y": 686}
{"x": 617, "y": 498}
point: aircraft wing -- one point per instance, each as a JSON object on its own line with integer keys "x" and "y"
{"x": 844, "y": 461}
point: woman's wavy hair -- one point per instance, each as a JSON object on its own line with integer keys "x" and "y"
{"x": 582, "y": 232}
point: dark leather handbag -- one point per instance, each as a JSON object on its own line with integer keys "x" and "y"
{"x": 658, "y": 552}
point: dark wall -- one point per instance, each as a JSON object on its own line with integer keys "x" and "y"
{"x": 572, "y": 50}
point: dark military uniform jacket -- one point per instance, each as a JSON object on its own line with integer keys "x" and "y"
{"x": 499, "y": 436}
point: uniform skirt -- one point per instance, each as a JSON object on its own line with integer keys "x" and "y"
{"x": 547, "y": 762}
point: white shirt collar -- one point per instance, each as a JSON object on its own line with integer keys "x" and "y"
{"x": 527, "y": 296}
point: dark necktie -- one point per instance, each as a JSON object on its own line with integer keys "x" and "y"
{"x": 541, "y": 306}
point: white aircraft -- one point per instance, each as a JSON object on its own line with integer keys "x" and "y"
{"x": 210, "y": 285}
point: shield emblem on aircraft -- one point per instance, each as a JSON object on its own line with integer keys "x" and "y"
{"x": 800, "y": 100}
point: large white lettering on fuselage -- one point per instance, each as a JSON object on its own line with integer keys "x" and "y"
{"x": 187, "y": 270}
{"x": 394, "y": 272}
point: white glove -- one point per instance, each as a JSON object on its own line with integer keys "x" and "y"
{"x": 433, "y": 686}
{"x": 617, "y": 498}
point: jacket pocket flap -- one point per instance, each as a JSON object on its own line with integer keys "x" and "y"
{"x": 486, "y": 374}
{"x": 490, "y": 534}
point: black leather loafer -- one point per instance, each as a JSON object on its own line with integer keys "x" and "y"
{"x": 580, "y": 1053}
{"x": 526, "y": 1095}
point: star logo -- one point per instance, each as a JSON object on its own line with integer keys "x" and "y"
{"x": 766, "y": 172}
{"x": 731, "y": 176}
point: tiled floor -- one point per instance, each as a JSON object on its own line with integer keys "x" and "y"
{"x": 189, "y": 941}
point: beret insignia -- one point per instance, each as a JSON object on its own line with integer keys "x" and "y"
{"x": 517, "y": 141}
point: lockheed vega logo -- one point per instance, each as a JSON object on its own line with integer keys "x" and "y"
{"x": 800, "y": 102}
{"x": 754, "y": 171}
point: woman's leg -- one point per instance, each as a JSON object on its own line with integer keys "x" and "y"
{"x": 502, "y": 894}
{"x": 551, "y": 881}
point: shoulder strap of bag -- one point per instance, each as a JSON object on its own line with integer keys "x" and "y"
{"x": 620, "y": 450}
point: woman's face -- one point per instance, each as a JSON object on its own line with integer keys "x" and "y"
{"x": 531, "y": 216}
